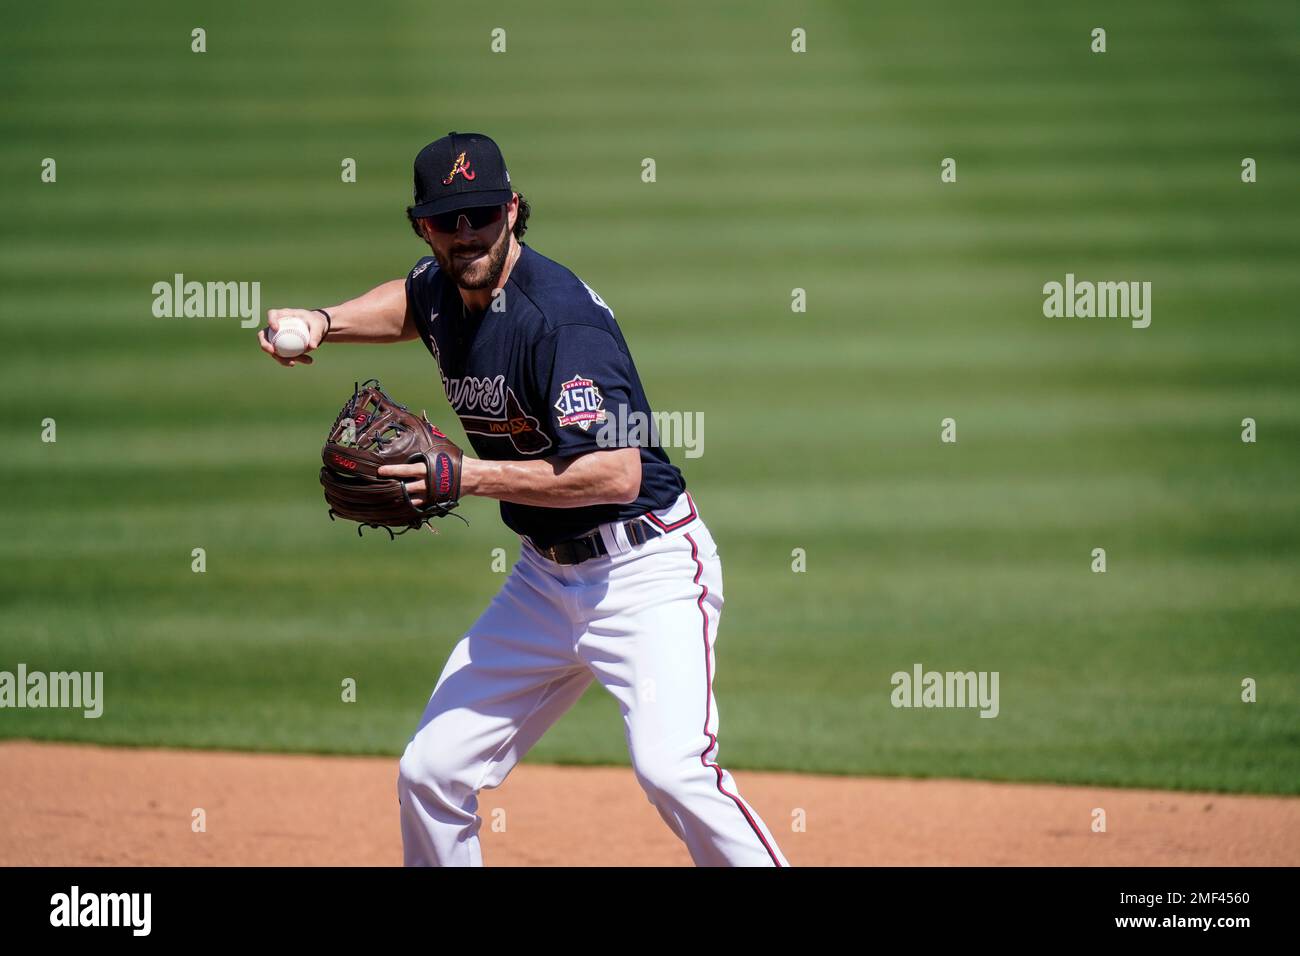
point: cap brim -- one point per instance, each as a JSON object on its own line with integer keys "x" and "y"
{"x": 491, "y": 197}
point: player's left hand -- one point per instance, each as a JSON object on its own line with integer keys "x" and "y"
{"x": 416, "y": 488}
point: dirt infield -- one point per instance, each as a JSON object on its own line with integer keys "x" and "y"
{"x": 78, "y": 805}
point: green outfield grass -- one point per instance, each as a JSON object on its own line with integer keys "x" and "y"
{"x": 775, "y": 171}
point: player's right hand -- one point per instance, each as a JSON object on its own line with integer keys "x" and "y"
{"x": 315, "y": 323}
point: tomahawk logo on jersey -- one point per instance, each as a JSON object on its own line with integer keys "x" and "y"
{"x": 530, "y": 380}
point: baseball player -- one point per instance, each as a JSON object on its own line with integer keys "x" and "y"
{"x": 617, "y": 579}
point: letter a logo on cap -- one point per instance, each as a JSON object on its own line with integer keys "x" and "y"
{"x": 460, "y": 166}
{"x": 459, "y": 171}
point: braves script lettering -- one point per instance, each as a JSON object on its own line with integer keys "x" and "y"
{"x": 470, "y": 394}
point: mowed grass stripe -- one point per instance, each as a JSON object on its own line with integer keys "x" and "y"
{"x": 775, "y": 171}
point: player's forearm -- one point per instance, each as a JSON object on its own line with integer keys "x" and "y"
{"x": 377, "y": 316}
{"x": 596, "y": 478}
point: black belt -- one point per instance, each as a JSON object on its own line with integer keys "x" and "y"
{"x": 592, "y": 545}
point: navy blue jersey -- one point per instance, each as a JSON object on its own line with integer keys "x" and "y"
{"x": 545, "y": 376}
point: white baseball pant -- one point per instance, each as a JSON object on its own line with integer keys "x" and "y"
{"x": 642, "y": 621}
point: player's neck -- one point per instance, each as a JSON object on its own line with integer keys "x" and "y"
{"x": 479, "y": 299}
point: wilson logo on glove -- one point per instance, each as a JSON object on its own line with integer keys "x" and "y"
{"x": 444, "y": 470}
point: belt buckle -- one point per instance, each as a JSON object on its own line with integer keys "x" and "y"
{"x": 551, "y": 552}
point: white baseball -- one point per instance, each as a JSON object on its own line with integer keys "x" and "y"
{"x": 291, "y": 341}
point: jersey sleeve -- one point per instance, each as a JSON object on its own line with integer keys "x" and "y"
{"x": 419, "y": 293}
{"x": 586, "y": 386}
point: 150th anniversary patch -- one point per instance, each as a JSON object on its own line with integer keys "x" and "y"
{"x": 579, "y": 403}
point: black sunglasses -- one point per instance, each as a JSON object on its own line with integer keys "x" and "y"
{"x": 478, "y": 217}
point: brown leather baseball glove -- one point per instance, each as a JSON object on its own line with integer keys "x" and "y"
{"x": 373, "y": 430}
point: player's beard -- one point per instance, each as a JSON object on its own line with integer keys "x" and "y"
{"x": 480, "y": 273}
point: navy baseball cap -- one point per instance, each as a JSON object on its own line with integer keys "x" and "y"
{"x": 460, "y": 171}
